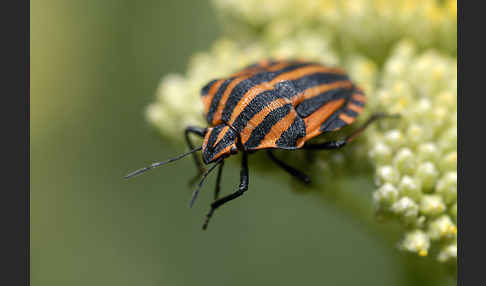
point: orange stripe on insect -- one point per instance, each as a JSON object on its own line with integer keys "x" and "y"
{"x": 209, "y": 97}
{"x": 262, "y": 66}
{"x": 247, "y": 71}
{"x": 359, "y": 97}
{"x": 346, "y": 118}
{"x": 316, "y": 90}
{"x": 221, "y": 135}
{"x": 315, "y": 120}
{"x": 355, "y": 107}
{"x": 277, "y": 66}
{"x": 224, "y": 98}
{"x": 206, "y": 137}
{"x": 259, "y": 117}
{"x": 277, "y": 130}
{"x": 264, "y": 63}
{"x": 226, "y": 150}
{"x": 292, "y": 75}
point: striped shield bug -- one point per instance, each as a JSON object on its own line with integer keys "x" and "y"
{"x": 272, "y": 104}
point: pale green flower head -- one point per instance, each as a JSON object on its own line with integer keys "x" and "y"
{"x": 368, "y": 27}
{"x": 418, "y": 157}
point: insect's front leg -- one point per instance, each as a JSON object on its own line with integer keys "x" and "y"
{"x": 242, "y": 188}
{"x": 201, "y": 132}
{"x": 218, "y": 181}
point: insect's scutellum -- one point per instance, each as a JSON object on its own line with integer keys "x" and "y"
{"x": 272, "y": 104}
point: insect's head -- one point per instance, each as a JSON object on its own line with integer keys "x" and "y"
{"x": 219, "y": 141}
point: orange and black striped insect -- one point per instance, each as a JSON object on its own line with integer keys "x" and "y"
{"x": 271, "y": 105}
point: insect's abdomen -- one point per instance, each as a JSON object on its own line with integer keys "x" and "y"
{"x": 281, "y": 104}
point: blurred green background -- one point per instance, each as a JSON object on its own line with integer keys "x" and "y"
{"x": 95, "y": 66}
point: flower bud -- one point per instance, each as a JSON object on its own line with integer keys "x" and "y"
{"x": 387, "y": 174}
{"x": 442, "y": 227}
{"x": 416, "y": 241}
{"x": 447, "y": 187}
{"x": 427, "y": 174}
{"x": 386, "y": 195}
{"x": 410, "y": 187}
{"x": 432, "y": 205}
{"x": 407, "y": 209}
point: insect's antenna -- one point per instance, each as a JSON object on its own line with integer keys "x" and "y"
{"x": 158, "y": 164}
{"x": 196, "y": 192}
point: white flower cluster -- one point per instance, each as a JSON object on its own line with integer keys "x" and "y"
{"x": 369, "y": 27}
{"x": 416, "y": 160}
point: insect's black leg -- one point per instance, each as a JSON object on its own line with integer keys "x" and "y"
{"x": 243, "y": 187}
{"x": 218, "y": 181}
{"x": 292, "y": 171}
{"x": 341, "y": 143}
{"x": 201, "y": 132}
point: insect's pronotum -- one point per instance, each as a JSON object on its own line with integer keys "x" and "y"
{"x": 271, "y": 105}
